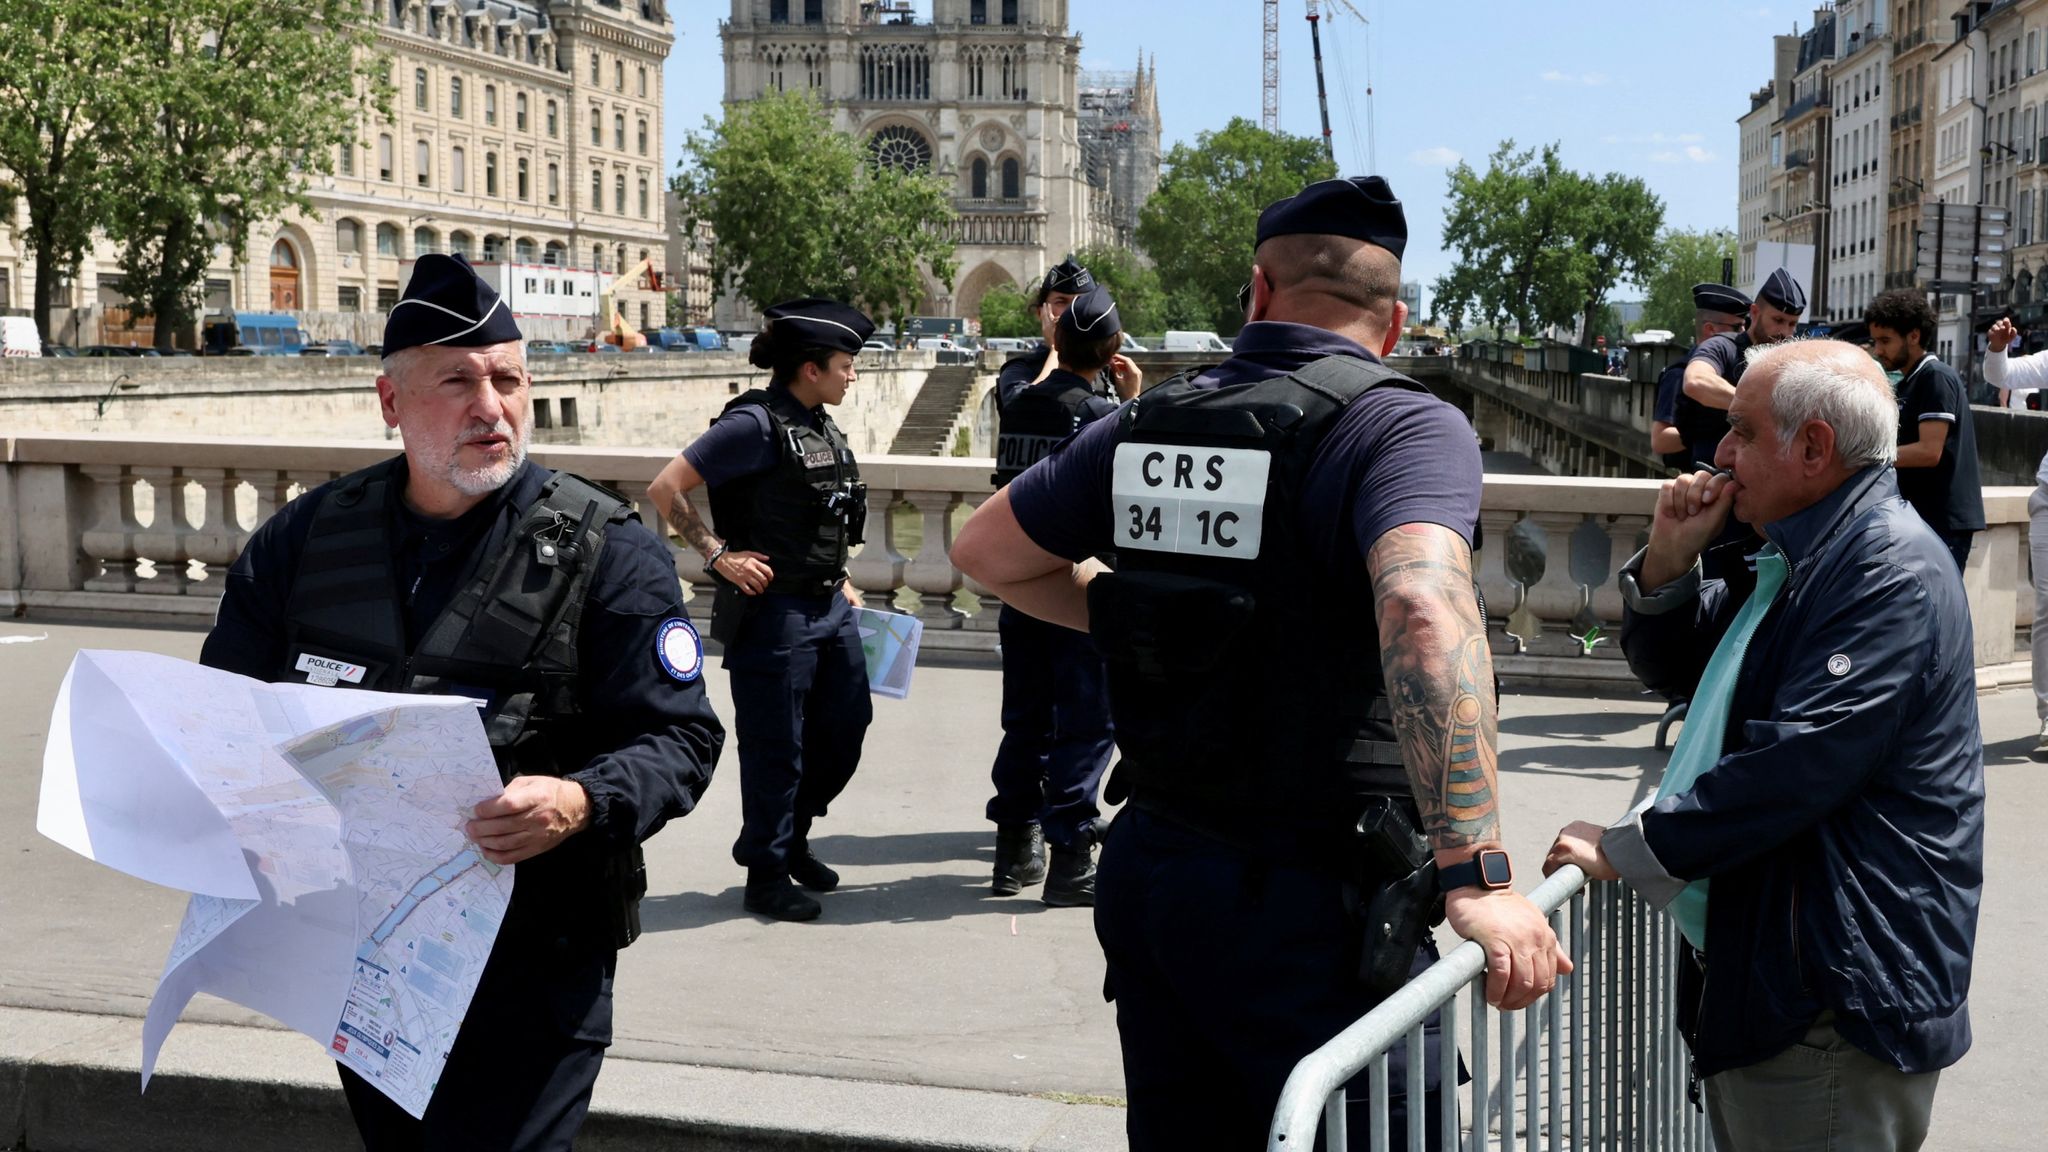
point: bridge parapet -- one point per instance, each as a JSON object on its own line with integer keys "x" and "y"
{"x": 115, "y": 527}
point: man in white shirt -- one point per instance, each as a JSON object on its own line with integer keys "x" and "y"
{"x": 2016, "y": 378}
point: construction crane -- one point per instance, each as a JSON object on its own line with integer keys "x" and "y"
{"x": 1269, "y": 117}
{"x": 615, "y": 330}
{"x": 1315, "y": 35}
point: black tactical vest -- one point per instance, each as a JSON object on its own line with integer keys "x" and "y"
{"x": 1245, "y": 680}
{"x": 1703, "y": 427}
{"x": 1033, "y": 423}
{"x": 808, "y": 511}
{"x": 511, "y": 630}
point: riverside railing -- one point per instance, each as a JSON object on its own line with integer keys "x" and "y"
{"x": 1598, "y": 1063}
{"x": 142, "y": 528}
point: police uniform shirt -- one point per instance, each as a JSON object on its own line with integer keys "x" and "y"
{"x": 1725, "y": 354}
{"x": 739, "y": 444}
{"x": 1394, "y": 457}
{"x": 1059, "y": 380}
{"x": 1670, "y": 386}
{"x": 651, "y": 736}
{"x": 1950, "y": 495}
{"x": 1020, "y": 370}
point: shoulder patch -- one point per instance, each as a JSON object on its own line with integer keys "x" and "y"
{"x": 680, "y": 649}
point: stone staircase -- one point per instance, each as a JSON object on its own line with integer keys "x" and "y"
{"x": 928, "y": 427}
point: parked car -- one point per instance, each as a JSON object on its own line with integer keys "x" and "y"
{"x": 334, "y": 348}
{"x": 116, "y": 350}
{"x": 1130, "y": 345}
{"x": 548, "y": 348}
{"x": 1194, "y": 342}
{"x": 684, "y": 339}
{"x": 63, "y": 350}
{"x": 18, "y": 337}
{"x": 870, "y": 346}
{"x": 251, "y": 334}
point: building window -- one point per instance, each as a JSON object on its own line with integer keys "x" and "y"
{"x": 568, "y": 411}
{"x": 1009, "y": 11}
{"x": 347, "y": 158}
{"x": 419, "y": 88}
{"x": 494, "y": 247}
{"x": 644, "y": 321}
{"x": 596, "y": 257}
{"x": 459, "y": 244}
{"x": 422, "y": 163}
{"x": 1013, "y": 179}
{"x": 387, "y": 297}
{"x": 619, "y": 132}
{"x": 348, "y": 236}
{"x": 490, "y": 173}
{"x": 596, "y": 126}
{"x": 977, "y": 12}
{"x": 554, "y": 121}
{"x": 643, "y": 197}
{"x": 543, "y": 415}
{"x": 490, "y": 104}
{"x": 619, "y": 75}
{"x": 423, "y": 241}
{"x": 519, "y": 112}
{"x": 522, "y": 251}
{"x": 523, "y": 187}
{"x": 778, "y": 11}
{"x": 387, "y": 240}
{"x": 978, "y": 185}
{"x": 901, "y": 147}
{"x": 349, "y": 299}
{"x": 597, "y": 190}
{"x": 554, "y": 184}
{"x": 458, "y": 170}
{"x": 895, "y": 72}
{"x": 643, "y": 137}
{"x": 553, "y": 256}
{"x": 384, "y": 158}
{"x": 619, "y": 194}
{"x": 593, "y": 67}
{"x": 814, "y": 11}
{"x": 455, "y": 97}
{"x": 622, "y": 260}
{"x": 643, "y": 81}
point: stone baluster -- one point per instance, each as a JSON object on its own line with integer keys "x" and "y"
{"x": 1992, "y": 584}
{"x": 877, "y": 569}
{"x": 1558, "y": 596}
{"x": 216, "y": 537}
{"x": 1622, "y": 533}
{"x": 163, "y": 541}
{"x": 931, "y": 573}
{"x": 111, "y": 539}
{"x": 1502, "y": 591}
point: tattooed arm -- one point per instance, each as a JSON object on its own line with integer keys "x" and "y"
{"x": 670, "y": 493}
{"x": 1440, "y": 685}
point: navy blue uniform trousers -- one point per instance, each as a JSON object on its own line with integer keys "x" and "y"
{"x": 1057, "y": 735}
{"x": 801, "y": 710}
{"x": 1226, "y": 970}
{"x": 520, "y": 1074}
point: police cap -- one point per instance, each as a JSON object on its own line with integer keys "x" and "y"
{"x": 1068, "y": 277}
{"x": 1361, "y": 207}
{"x": 815, "y": 322}
{"x": 1092, "y": 316}
{"x": 1782, "y": 292}
{"x": 447, "y": 303}
{"x": 1719, "y": 298}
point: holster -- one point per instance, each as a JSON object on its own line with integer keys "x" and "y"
{"x": 1396, "y": 916}
{"x": 625, "y": 882}
{"x": 729, "y": 610}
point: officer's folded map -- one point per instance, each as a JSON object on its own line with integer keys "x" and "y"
{"x": 320, "y": 832}
{"x": 889, "y": 641}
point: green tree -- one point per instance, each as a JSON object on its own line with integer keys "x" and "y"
{"x": 1201, "y": 225}
{"x": 1006, "y": 312}
{"x": 229, "y": 108}
{"x": 1615, "y": 242}
{"x": 1512, "y": 229}
{"x": 1684, "y": 258}
{"x": 798, "y": 208}
{"x": 60, "y": 67}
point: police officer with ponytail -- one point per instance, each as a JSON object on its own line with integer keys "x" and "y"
{"x": 787, "y": 505}
{"x": 1299, "y": 678}
{"x": 463, "y": 568}
{"x": 1057, "y": 736}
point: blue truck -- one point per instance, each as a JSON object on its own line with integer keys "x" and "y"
{"x": 251, "y": 334}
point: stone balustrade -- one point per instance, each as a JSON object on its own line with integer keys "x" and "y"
{"x": 126, "y": 527}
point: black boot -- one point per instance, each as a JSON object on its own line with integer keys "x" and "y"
{"x": 1071, "y": 881}
{"x": 1020, "y": 858}
{"x": 804, "y": 866}
{"x": 770, "y": 894}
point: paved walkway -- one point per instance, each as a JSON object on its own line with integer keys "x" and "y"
{"x": 915, "y": 976}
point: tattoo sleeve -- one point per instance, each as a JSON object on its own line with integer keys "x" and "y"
{"x": 1439, "y": 681}
{"x": 682, "y": 516}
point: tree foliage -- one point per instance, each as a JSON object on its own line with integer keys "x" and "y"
{"x": 1683, "y": 259}
{"x": 1538, "y": 244}
{"x": 1199, "y": 227}
{"x": 58, "y": 63}
{"x": 225, "y": 109}
{"x": 797, "y": 208}
{"x": 1006, "y": 312}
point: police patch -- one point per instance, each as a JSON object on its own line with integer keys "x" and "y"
{"x": 679, "y": 649}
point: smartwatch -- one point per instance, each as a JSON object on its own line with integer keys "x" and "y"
{"x": 1489, "y": 870}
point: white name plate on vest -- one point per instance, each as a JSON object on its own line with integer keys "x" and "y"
{"x": 1193, "y": 501}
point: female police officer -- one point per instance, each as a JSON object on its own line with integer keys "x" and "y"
{"x": 787, "y": 499}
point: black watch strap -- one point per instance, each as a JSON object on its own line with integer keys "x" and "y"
{"x": 1473, "y": 873}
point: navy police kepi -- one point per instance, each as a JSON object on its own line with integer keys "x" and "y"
{"x": 447, "y": 303}
{"x": 1069, "y": 277}
{"x": 1361, "y": 207}
{"x": 815, "y": 322}
{"x": 1782, "y": 292}
{"x": 1092, "y": 315}
{"x": 1719, "y": 298}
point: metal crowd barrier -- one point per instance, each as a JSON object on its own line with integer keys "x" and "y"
{"x": 1596, "y": 1064}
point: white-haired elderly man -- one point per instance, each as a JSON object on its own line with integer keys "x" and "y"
{"x": 1818, "y": 834}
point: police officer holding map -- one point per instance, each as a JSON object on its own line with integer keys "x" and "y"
{"x": 461, "y": 567}
{"x": 789, "y": 505}
{"x": 1300, "y": 681}
{"x": 1056, "y": 729}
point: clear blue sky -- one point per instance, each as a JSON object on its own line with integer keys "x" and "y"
{"x": 1648, "y": 88}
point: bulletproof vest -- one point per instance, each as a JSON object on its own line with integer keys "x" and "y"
{"x": 805, "y": 513}
{"x": 511, "y": 630}
{"x": 1033, "y": 423}
{"x": 1244, "y": 677}
{"x": 1702, "y": 426}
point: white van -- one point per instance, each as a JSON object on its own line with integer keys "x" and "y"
{"x": 1009, "y": 345}
{"x": 1194, "y": 342}
{"x": 18, "y": 337}
{"x": 937, "y": 344}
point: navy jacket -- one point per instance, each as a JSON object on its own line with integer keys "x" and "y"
{"x": 1843, "y": 827}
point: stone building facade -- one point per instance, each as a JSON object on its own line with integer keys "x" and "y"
{"x": 988, "y": 94}
{"x": 525, "y": 134}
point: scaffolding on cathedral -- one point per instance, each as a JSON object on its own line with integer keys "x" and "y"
{"x": 1119, "y": 128}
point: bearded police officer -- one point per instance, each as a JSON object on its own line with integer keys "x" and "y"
{"x": 1717, "y": 310}
{"x": 1056, "y": 728}
{"x": 789, "y": 504}
{"x": 462, "y": 567}
{"x": 1716, "y": 366}
{"x": 1265, "y": 717}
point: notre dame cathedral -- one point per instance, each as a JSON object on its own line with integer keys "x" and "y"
{"x": 1043, "y": 157}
